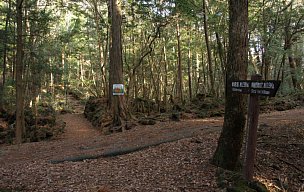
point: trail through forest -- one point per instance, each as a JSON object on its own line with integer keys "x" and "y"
{"x": 82, "y": 159}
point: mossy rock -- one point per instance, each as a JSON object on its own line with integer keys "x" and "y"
{"x": 235, "y": 182}
{"x": 258, "y": 186}
{"x": 242, "y": 188}
{"x": 175, "y": 116}
{"x": 48, "y": 120}
{"x": 147, "y": 121}
{"x": 218, "y": 113}
{"x": 202, "y": 114}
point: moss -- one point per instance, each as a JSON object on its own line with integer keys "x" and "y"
{"x": 258, "y": 186}
{"x": 235, "y": 182}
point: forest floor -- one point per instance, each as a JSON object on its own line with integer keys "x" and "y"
{"x": 82, "y": 159}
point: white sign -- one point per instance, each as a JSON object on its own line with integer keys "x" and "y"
{"x": 118, "y": 89}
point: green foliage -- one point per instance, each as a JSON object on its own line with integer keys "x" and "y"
{"x": 189, "y": 8}
{"x": 63, "y": 36}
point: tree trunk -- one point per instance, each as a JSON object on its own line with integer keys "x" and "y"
{"x": 227, "y": 154}
{"x": 165, "y": 87}
{"x": 210, "y": 67}
{"x": 19, "y": 71}
{"x": 293, "y": 70}
{"x": 116, "y": 103}
{"x": 189, "y": 63}
{"x": 288, "y": 49}
{"x": 221, "y": 53}
{"x": 179, "y": 67}
{"x": 266, "y": 61}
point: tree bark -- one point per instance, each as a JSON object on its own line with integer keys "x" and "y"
{"x": 116, "y": 103}
{"x": 19, "y": 72}
{"x": 165, "y": 87}
{"x": 189, "y": 63}
{"x": 210, "y": 67}
{"x": 179, "y": 66}
{"x": 227, "y": 154}
{"x": 221, "y": 53}
{"x": 288, "y": 49}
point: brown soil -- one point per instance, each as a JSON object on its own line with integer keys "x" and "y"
{"x": 181, "y": 163}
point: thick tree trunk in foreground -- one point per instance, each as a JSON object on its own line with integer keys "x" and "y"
{"x": 227, "y": 154}
{"x": 117, "y": 103}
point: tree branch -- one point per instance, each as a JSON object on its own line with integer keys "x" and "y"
{"x": 150, "y": 48}
{"x": 298, "y": 27}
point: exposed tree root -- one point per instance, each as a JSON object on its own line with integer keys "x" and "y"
{"x": 116, "y": 152}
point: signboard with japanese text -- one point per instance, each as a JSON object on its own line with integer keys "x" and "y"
{"x": 255, "y": 87}
{"x": 263, "y": 88}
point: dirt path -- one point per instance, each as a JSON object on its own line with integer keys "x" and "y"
{"x": 176, "y": 166}
{"x": 78, "y": 128}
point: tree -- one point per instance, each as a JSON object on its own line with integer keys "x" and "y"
{"x": 19, "y": 72}
{"x": 292, "y": 29}
{"x": 116, "y": 103}
{"x": 227, "y": 154}
{"x": 179, "y": 84}
{"x": 210, "y": 68}
{"x": 102, "y": 57}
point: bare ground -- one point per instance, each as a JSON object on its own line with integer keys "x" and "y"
{"x": 180, "y": 165}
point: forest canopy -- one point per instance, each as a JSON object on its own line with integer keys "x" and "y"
{"x": 172, "y": 50}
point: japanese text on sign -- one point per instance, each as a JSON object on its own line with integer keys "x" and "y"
{"x": 266, "y": 88}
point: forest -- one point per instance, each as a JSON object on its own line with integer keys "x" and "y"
{"x": 126, "y": 65}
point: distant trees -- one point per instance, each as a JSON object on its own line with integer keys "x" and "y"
{"x": 270, "y": 47}
{"x": 171, "y": 50}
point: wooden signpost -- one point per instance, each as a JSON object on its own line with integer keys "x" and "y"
{"x": 255, "y": 87}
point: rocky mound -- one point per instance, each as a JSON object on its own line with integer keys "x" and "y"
{"x": 39, "y": 126}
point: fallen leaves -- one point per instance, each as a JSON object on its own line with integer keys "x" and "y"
{"x": 182, "y": 165}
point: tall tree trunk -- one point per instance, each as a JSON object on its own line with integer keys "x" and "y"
{"x": 221, "y": 53}
{"x": 189, "y": 63}
{"x": 179, "y": 66}
{"x": 65, "y": 72}
{"x": 227, "y": 154}
{"x": 81, "y": 69}
{"x": 117, "y": 103}
{"x": 210, "y": 67}
{"x": 196, "y": 73}
{"x": 165, "y": 77}
{"x": 266, "y": 61}
{"x": 19, "y": 72}
{"x": 293, "y": 69}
